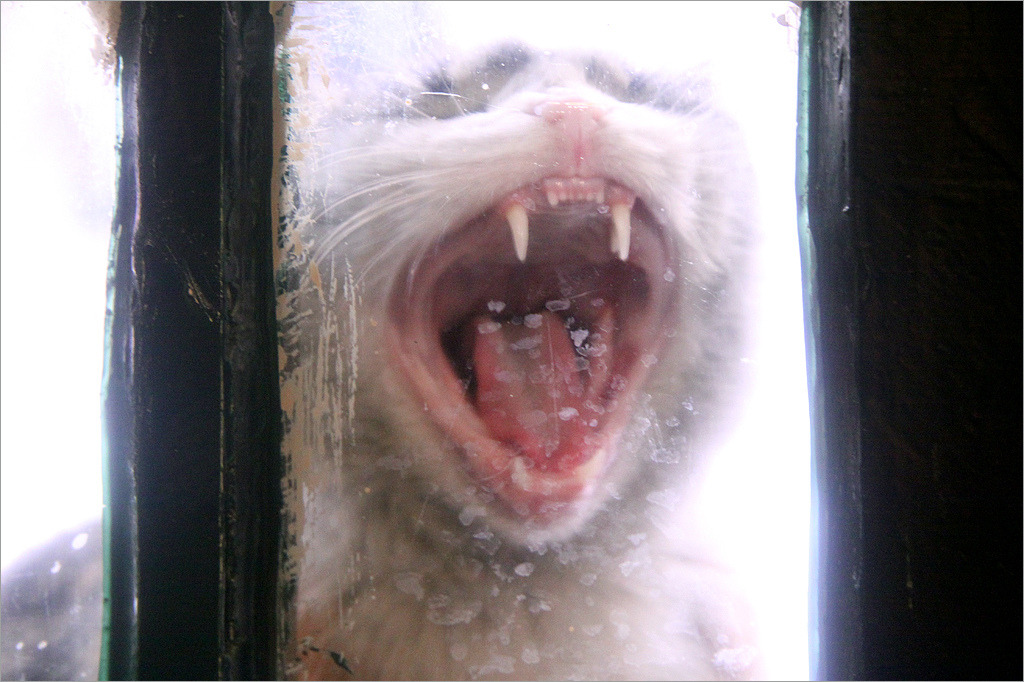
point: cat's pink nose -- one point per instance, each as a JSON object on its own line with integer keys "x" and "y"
{"x": 571, "y": 112}
{"x": 576, "y": 122}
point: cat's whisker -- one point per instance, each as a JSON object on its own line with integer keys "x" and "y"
{"x": 340, "y": 233}
{"x": 392, "y": 181}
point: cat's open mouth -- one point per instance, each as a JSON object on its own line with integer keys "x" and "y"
{"x": 527, "y": 332}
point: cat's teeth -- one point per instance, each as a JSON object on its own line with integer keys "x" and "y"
{"x": 552, "y": 198}
{"x": 620, "y": 230}
{"x": 520, "y": 224}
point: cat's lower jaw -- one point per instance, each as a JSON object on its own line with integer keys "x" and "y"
{"x": 464, "y": 604}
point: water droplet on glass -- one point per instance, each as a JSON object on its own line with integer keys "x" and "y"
{"x": 468, "y": 514}
{"x": 410, "y": 583}
{"x": 524, "y": 569}
{"x": 665, "y": 456}
{"x": 664, "y": 498}
{"x": 488, "y": 327}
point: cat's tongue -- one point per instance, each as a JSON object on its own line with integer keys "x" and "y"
{"x": 530, "y": 393}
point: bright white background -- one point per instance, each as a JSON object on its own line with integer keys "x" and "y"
{"x": 57, "y": 124}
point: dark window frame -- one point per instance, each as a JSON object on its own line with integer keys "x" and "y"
{"x": 914, "y": 200}
{"x": 192, "y": 416}
{"x": 194, "y": 528}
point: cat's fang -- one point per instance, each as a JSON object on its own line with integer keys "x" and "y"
{"x": 519, "y": 222}
{"x": 620, "y": 230}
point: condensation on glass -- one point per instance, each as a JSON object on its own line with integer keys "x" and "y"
{"x": 542, "y": 351}
{"x": 58, "y": 162}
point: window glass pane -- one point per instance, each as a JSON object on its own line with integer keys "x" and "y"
{"x": 58, "y": 128}
{"x": 543, "y": 371}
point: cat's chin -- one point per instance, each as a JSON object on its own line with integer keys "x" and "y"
{"x": 530, "y": 360}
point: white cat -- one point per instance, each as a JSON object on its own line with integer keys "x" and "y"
{"x": 530, "y": 325}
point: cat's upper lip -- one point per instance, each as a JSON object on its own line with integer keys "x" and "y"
{"x": 613, "y": 314}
